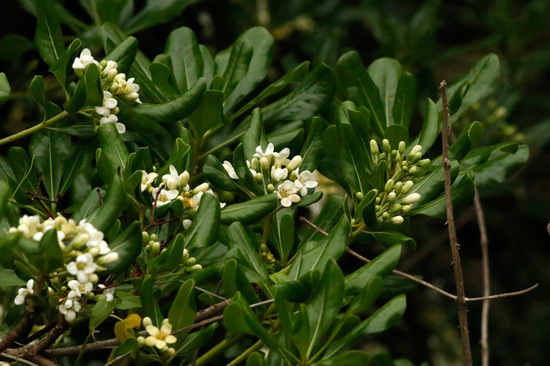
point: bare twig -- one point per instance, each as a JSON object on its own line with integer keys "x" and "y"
{"x": 484, "y": 243}
{"x": 16, "y": 332}
{"x": 315, "y": 227}
{"x": 460, "y": 292}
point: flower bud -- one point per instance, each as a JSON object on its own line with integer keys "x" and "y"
{"x": 93, "y": 278}
{"x": 201, "y": 188}
{"x": 259, "y": 178}
{"x": 406, "y": 208}
{"x": 413, "y": 170}
{"x": 402, "y": 146}
{"x": 386, "y": 147}
{"x": 255, "y": 164}
{"x": 385, "y": 216}
{"x": 424, "y": 162}
{"x": 411, "y": 198}
{"x": 185, "y": 255}
{"x": 389, "y": 185}
{"x": 397, "y": 220}
{"x": 264, "y": 163}
{"x": 153, "y": 237}
{"x": 111, "y": 75}
{"x": 196, "y": 267}
{"x": 398, "y": 187}
{"x": 392, "y": 197}
{"x": 374, "y": 147}
{"x": 186, "y": 224}
{"x": 110, "y": 257}
{"x": 294, "y": 163}
{"x": 144, "y": 237}
{"x": 416, "y": 149}
{"x": 184, "y": 178}
{"x": 190, "y": 261}
{"x": 396, "y": 208}
{"x": 360, "y": 196}
{"x": 94, "y": 251}
{"x": 81, "y": 240}
{"x": 407, "y": 186}
{"x": 270, "y": 188}
{"x": 377, "y": 200}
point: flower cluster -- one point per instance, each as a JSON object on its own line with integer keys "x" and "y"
{"x": 84, "y": 254}
{"x": 278, "y": 173}
{"x": 174, "y": 186}
{"x": 402, "y": 171}
{"x": 158, "y": 338}
{"x": 114, "y": 84}
{"x": 153, "y": 249}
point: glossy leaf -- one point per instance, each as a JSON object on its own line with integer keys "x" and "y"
{"x": 349, "y": 358}
{"x": 243, "y": 171}
{"x": 467, "y": 140}
{"x": 114, "y": 202}
{"x": 234, "y": 280}
{"x": 124, "y": 54}
{"x": 430, "y": 128}
{"x": 182, "y": 311}
{"x": 187, "y": 63}
{"x": 9, "y": 278}
{"x": 112, "y": 146}
{"x": 5, "y": 88}
{"x": 149, "y": 302}
{"x": 312, "y": 150}
{"x": 366, "y": 296}
{"x": 48, "y": 37}
{"x": 237, "y": 66}
{"x": 52, "y": 257}
{"x": 386, "y": 73}
{"x": 36, "y": 87}
{"x": 380, "y": 266}
{"x": 360, "y": 88}
{"x": 100, "y": 312}
{"x": 128, "y": 247}
{"x": 203, "y": 232}
{"x": 405, "y": 100}
{"x": 217, "y": 175}
{"x": 244, "y": 251}
{"x": 249, "y": 211}
{"x": 176, "y": 109}
{"x": 390, "y": 238}
{"x": 315, "y": 254}
{"x": 156, "y": 12}
{"x": 209, "y": 115}
{"x": 23, "y": 169}
{"x": 62, "y": 68}
{"x": 283, "y": 233}
{"x": 254, "y": 135}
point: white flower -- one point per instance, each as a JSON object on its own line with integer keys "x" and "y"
{"x": 268, "y": 153}
{"x": 28, "y": 225}
{"x": 175, "y": 180}
{"x": 165, "y": 196}
{"x": 305, "y": 182}
{"x": 84, "y": 60}
{"x": 69, "y": 308}
{"x": 397, "y": 220}
{"x": 278, "y": 174}
{"x": 159, "y": 338}
{"x": 95, "y": 237}
{"x": 108, "y": 258}
{"x": 287, "y": 193}
{"x": 82, "y": 267}
{"x": 411, "y": 198}
{"x": 147, "y": 180}
{"x": 111, "y": 65}
{"x": 230, "y": 170}
{"x": 23, "y": 292}
{"x": 281, "y": 158}
{"x": 126, "y": 89}
{"x": 187, "y": 223}
{"x": 109, "y": 103}
{"x": 79, "y": 288}
{"x": 108, "y": 292}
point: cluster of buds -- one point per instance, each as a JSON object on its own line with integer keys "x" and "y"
{"x": 84, "y": 254}
{"x": 174, "y": 186}
{"x": 153, "y": 249}
{"x": 267, "y": 256}
{"x": 402, "y": 170}
{"x": 275, "y": 172}
{"x": 159, "y": 338}
{"x": 114, "y": 85}
{"x": 400, "y": 166}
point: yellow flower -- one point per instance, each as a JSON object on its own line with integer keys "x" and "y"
{"x": 122, "y": 328}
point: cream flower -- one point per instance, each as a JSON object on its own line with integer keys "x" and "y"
{"x": 79, "y": 288}
{"x": 268, "y": 153}
{"x": 126, "y": 89}
{"x": 147, "y": 180}
{"x": 287, "y": 193}
{"x": 278, "y": 174}
{"x": 108, "y": 292}
{"x": 84, "y": 60}
{"x": 304, "y": 182}
{"x": 159, "y": 338}
{"x": 69, "y": 308}
{"x": 165, "y": 196}
{"x": 82, "y": 267}
{"x": 23, "y": 292}
{"x": 281, "y": 158}
{"x": 175, "y": 180}
{"x": 230, "y": 170}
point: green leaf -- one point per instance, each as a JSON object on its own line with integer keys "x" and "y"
{"x": 124, "y": 54}
{"x": 255, "y": 359}
{"x": 128, "y": 247}
{"x": 367, "y": 295}
{"x": 382, "y": 319}
{"x": 9, "y": 278}
{"x": 81, "y": 155}
{"x": 37, "y": 90}
{"x": 430, "y": 128}
{"x": 88, "y": 91}
{"x": 431, "y": 186}
{"x": 243, "y": 249}
{"x": 254, "y": 135}
{"x": 177, "y": 158}
{"x": 385, "y": 73}
{"x": 176, "y": 109}
{"x": 62, "y": 68}
{"x": 312, "y": 95}
{"x": 162, "y": 76}
{"x": 237, "y": 66}
{"x": 360, "y": 88}
{"x": 187, "y": 63}
{"x": 355, "y": 159}
{"x": 149, "y": 302}
{"x": 315, "y": 254}
{"x": 312, "y": 150}
{"x": 405, "y": 100}
{"x": 156, "y": 12}
{"x": 349, "y": 358}
{"x": 182, "y": 311}
{"x": 48, "y": 37}
{"x": 262, "y": 43}
{"x": 100, "y": 312}
{"x": 5, "y": 88}
{"x": 249, "y": 211}
{"x": 478, "y": 84}
{"x": 466, "y": 141}
{"x": 113, "y": 204}
{"x": 283, "y": 233}
{"x": 112, "y": 146}
{"x": 196, "y": 340}
{"x": 380, "y": 266}
{"x": 23, "y": 169}
{"x": 325, "y": 303}
{"x": 217, "y": 175}
{"x": 52, "y": 257}
{"x": 243, "y": 172}
{"x": 234, "y": 280}
{"x": 293, "y": 76}
{"x": 169, "y": 258}
{"x": 390, "y": 238}
{"x": 203, "y": 231}
{"x": 329, "y": 216}
{"x": 209, "y": 115}
{"x": 50, "y": 151}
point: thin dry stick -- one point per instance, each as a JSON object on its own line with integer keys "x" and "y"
{"x": 460, "y": 292}
{"x": 484, "y": 243}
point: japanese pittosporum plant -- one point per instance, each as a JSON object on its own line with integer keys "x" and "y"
{"x": 162, "y": 193}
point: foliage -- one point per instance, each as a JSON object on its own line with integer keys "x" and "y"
{"x": 162, "y": 192}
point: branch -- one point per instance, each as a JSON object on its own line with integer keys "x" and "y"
{"x": 16, "y": 332}
{"x": 461, "y": 297}
{"x": 33, "y": 129}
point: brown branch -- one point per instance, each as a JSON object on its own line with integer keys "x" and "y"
{"x": 16, "y": 332}
{"x": 315, "y": 227}
{"x": 33, "y": 350}
{"x": 484, "y": 243}
{"x": 460, "y": 292}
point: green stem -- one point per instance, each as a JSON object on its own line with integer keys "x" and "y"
{"x": 256, "y": 346}
{"x": 217, "y": 349}
{"x": 33, "y": 129}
